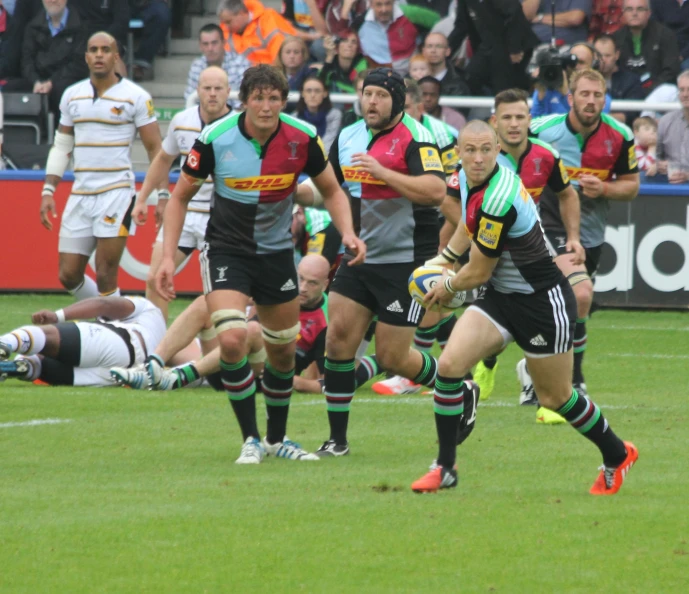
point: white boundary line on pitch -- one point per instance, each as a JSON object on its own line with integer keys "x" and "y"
{"x": 34, "y": 423}
{"x": 651, "y": 328}
{"x": 647, "y": 355}
{"x": 428, "y": 401}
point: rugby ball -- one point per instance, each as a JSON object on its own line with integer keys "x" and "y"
{"x": 424, "y": 278}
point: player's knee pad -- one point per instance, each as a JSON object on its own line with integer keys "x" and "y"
{"x": 257, "y": 357}
{"x": 207, "y": 334}
{"x": 578, "y": 277}
{"x": 228, "y": 319}
{"x": 281, "y": 336}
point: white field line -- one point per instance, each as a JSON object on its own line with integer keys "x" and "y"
{"x": 649, "y": 328}
{"x": 427, "y": 400}
{"x": 642, "y": 356}
{"x": 34, "y": 423}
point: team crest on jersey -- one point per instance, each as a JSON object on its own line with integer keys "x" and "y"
{"x": 488, "y": 233}
{"x": 393, "y": 144}
{"x": 359, "y": 176}
{"x": 608, "y": 147}
{"x": 537, "y": 166}
{"x": 430, "y": 159}
{"x": 293, "y": 146}
{"x": 193, "y": 159}
{"x": 261, "y": 182}
{"x": 117, "y": 111}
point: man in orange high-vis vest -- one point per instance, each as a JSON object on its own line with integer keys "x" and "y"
{"x": 252, "y": 30}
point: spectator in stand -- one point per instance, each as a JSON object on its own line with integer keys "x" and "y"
{"x": 646, "y": 144}
{"x": 647, "y": 47}
{"x": 11, "y": 46}
{"x": 674, "y": 14}
{"x": 252, "y": 30}
{"x": 52, "y": 53}
{"x": 212, "y": 47}
{"x": 343, "y": 62}
{"x": 419, "y": 67}
{"x": 502, "y": 41}
{"x": 606, "y": 18}
{"x": 436, "y": 50}
{"x": 430, "y": 92}
{"x": 156, "y": 17}
{"x": 314, "y": 107}
{"x": 425, "y": 14}
{"x": 353, "y": 115}
{"x": 342, "y": 16}
{"x": 673, "y": 137}
{"x": 387, "y": 37}
{"x": 570, "y": 20}
{"x": 308, "y": 19}
{"x": 620, "y": 82}
{"x": 292, "y": 61}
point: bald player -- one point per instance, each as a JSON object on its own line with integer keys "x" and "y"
{"x": 312, "y": 273}
{"x": 214, "y": 92}
{"x": 99, "y": 119}
{"x": 527, "y": 299}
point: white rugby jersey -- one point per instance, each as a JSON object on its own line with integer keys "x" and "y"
{"x": 104, "y": 129}
{"x": 184, "y": 129}
{"x": 146, "y": 319}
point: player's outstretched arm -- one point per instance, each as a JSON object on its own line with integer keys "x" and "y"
{"x": 157, "y": 176}
{"x": 112, "y": 308}
{"x": 570, "y": 212}
{"x": 58, "y": 159}
{"x": 337, "y": 204}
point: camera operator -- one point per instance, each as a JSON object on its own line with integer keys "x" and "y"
{"x": 552, "y": 75}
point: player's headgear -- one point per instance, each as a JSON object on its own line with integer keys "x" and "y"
{"x": 393, "y": 83}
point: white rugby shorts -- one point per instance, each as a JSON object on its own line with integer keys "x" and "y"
{"x": 193, "y": 233}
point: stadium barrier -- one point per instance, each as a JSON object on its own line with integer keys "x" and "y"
{"x": 645, "y": 260}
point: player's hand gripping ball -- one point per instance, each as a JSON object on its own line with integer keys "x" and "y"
{"x": 424, "y": 278}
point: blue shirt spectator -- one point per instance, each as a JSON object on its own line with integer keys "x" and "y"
{"x": 577, "y": 11}
{"x": 555, "y": 101}
{"x": 54, "y": 30}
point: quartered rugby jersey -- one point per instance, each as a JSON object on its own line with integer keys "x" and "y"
{"x": 607, "y": 152}
{"x": 538, "y": 167}
{"x": 502, "y": 220}
{"x": 320, "y": 236}
{"x": 184, "y": 129}
{"x": 395, "y": 230}
{"x": 104, "y": 129}
{"x": 311, "y": 338}
{"x": 253, "y": 184}
{"x": 446, "y": 138}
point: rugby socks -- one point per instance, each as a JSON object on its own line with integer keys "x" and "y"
{"x": 26, "y": 340}
{"x": 445, "y": 328}
{"x": 424, "y": 338}
{"x": 113, "y": 293}
{"x": 339, "y": 390}
{"x": 585, "y": 416}
{"x": 277, "y": 391}
{"x": 240, "y": 385}
{"x": 86, "y": 289}
{"x": 368, "y": 369}
{"x": 429, "y": 371}
{"x": 35, "y": 368}
{"x": 491, "y": 362}
{"x": 448, "y": 404}
{"x": 186, "y": 374}
{"x": 579, "y": 343}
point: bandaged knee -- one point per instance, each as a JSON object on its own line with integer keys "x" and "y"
{"x": 207, "y": 334}
{"x": 228, "y": 319}
{"x": 257, "y": 357}
{"x": 281, "y": 336}
{"x": 578, "y": 277}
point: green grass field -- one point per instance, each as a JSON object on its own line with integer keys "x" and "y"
{"x": 138, "y": 492}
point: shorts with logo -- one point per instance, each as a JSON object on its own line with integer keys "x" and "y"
{"x": 90, "y": 217}
{"x": 541, "y": 323}
{"x": 557, "y": 242}
{"x": 381, "y": 288}
{"x": 270, "y": 279}
{"x": 193, "y": 235}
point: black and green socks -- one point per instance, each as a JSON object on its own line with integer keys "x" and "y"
{"x": 186, "y": 374}
{"x": 579, "y": 344}
{"x": 445, "y": 328}
{"x": 277, "y": 391}
{"x": 448, "y": 404}
{"x": 585, "y": 416}
{"x": 429, "y": 371}
{"x": 339, "y": 386}
{"x": 367, "y": 370}
{"x": 425, "y": 337}
{"x": 240, "y": 385}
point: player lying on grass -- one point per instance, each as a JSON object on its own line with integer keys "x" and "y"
{"x": 62, "y": 352}
{"x": 312, "y": 273}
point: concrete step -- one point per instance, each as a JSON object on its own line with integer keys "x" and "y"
{"x": 185, "y": 47}
{"x": 166, "y": 90}
{"x": 172, "y": 68}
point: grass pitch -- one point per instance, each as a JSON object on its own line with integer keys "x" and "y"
{"x": 137, "y": 491}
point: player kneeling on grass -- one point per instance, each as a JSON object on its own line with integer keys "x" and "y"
{"x": 61, "y": 352}
{"x": 195, "y": 320}
{"x": 527, "y": 299}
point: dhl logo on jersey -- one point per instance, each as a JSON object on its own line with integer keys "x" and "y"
{"x": 577, "y": 172}
{"x": 261, "y": 182}
{"x": 535, "y": 192}
{"x": 359, "y": 176}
